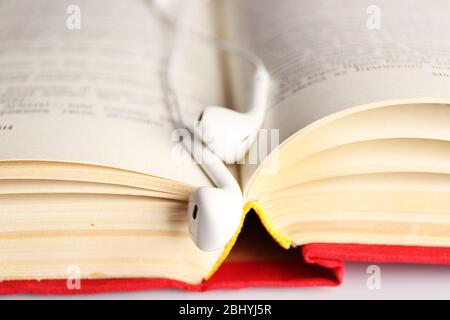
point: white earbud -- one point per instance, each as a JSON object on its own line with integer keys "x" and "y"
{"x": 229, "y": 133}
{"x": 214, "y": 213}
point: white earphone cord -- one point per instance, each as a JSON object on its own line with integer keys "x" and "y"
{"x": 180, "y": 26}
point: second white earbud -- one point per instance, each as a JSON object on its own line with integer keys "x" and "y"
{"x": 229, "y": 133}
{"x": 214, "y": 213}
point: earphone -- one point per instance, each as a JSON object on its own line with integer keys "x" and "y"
{"x": 230, "y": 133}
{"x": 214, "y": 213}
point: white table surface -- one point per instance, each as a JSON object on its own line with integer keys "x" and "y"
{"x": 397, "y": 282}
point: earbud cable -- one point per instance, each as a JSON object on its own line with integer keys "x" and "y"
{"x": 181, "y": 28}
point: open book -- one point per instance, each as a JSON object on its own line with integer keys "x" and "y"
{"x": 91, "y": 175}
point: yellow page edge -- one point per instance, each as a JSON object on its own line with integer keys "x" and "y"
{"x": 281, "y": 239}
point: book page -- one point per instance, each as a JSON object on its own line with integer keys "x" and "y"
{"x": 326, "y": 57}
{"x": 84, "y": 83}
